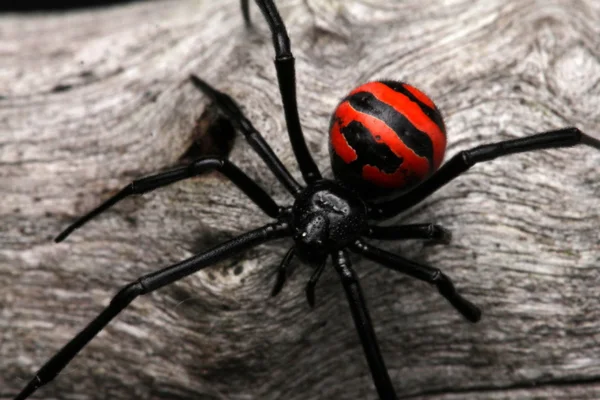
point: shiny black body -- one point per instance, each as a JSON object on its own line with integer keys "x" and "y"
{"x": 325, "y": 220}
{"x": 326, "y": 217}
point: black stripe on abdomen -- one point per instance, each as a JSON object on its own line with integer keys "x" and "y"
{"x": 413, "y": 138}
{"x": 433, "y": 114}
{"x": 368, "y": 150}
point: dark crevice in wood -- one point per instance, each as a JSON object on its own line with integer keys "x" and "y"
{"x": 213, "y": 135}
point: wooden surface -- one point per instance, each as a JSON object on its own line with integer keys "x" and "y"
{"x": 90, "y": 100}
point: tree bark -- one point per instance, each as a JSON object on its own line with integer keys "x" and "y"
{"x": 90, "y": 100}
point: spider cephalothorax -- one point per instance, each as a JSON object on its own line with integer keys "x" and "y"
{"x": 386, "y": 137}
{"x": 326, "y": 216}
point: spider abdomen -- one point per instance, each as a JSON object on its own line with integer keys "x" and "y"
{"x": 384, "y": 136}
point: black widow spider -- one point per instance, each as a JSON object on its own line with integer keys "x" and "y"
{"x": 384, "y": 137}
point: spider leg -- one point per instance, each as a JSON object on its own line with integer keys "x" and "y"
{"x": 362, "y": 321}
{"x": 412, "y": 231}
{"x": 229, "y": 107}
{"x": 465, "y": 159}
{"x": 149, "y": 183}
{"x": 286, "y": 76}
{"x": 146, "y": 284}
{"x": 246, "y": 12}
{"x": 423, "y": 272}
{"x": 312, "y": 283}
{"x": 283, "y": 271}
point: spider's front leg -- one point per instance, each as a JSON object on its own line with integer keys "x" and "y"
{"x": 198, "y": 167}
{"x": 362, "y": 321}
{"x": 232, "y": 111}
{"x": 144, "y": 285}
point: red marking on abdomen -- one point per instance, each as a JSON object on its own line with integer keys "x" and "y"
{"x": 412, "y": 112}
{"x": 383, "y": 179}
{"x": 340, "y": 144}
{"x": 412, "y": 165}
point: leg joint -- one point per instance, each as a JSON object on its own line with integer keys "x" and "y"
{"x": 281, "y": 42}
{"x": 443, "y": 283}
{"x": 128, "y": 293}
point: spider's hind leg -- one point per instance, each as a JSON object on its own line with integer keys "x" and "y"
{"x": 422, "y": 272}
{"x": 144, "y": 285}
{"x": 286, "y": 77}
{"x": 461, "y": 162}
{"x": 432, "y": 232}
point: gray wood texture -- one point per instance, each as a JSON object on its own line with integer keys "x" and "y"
{"x": 91, "y": 99}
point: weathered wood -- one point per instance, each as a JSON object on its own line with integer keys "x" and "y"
{"x": 91, "y": 99}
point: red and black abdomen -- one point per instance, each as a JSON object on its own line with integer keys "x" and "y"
{"x": 386, "y": 136}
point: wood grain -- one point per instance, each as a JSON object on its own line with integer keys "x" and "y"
{"x": 91, "y": 99}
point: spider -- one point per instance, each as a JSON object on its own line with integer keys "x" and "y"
{"x": 387, "y": 142}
